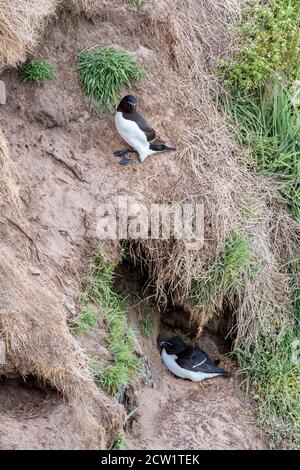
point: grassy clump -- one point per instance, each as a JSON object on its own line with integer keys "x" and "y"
{"x": 120, "y": 338}
{"x": 268, "y": 124}
{"x": 269, "y": 39}
{"x": 147, "y": 325}
{"x": 103, "y": 72}
{"x": 87, "y": 319}
{"x": 37, "y": 71}
{"x": 227, "y": 271}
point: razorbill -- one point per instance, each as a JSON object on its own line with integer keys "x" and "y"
{"x": 133, "y": 128}
{"x": 188, "y": 362}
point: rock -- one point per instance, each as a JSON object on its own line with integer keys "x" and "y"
{"x": 69, "y": 305}
{"x": 2, "y": 92}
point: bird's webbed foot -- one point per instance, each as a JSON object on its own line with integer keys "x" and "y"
{"x": 126, "y": 161}
{"x": 120, "y": 153}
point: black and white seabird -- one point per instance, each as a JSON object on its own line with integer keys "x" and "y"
{"x": 133, "y": 128}
{"x": 188, "y": 362}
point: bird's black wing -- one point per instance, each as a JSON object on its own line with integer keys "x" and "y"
{"x": 143, "y": 125}
{"x": 195, "y": 360}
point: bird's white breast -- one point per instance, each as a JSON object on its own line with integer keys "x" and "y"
{"x": 170, "y": 362}
{"x": 133, "y": 135}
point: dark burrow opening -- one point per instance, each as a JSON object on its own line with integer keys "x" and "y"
{"x": 174, "y": 319}
{"x": 26, "y": 396}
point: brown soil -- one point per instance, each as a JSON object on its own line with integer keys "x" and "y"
{"x": 183, "y": 415}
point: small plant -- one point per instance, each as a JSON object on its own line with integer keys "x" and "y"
{"x": 87, "y": 319}
{"x": 37, "y": 71}
{"x": 120, "y": 338}
{"x": 103, "y": 72}
{"x": 147, "y": 325}
{"x": 135, "y": 3}
{"x": 269, "y": 41}
{"x": 226, "y": 272}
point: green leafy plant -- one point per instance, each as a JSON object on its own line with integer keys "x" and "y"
{"x": 268, "y": 124}
{"x": 147, "y": 325}
{"x": 120, "y": 338}
{"x": 87, "y": 319}
{"x": 37, "y": 71}
{"x": 226, "y": 271}
{"x": 269, "y": 39}
{"x": 103, "y": 72}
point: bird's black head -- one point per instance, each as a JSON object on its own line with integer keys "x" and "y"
{"x": 173, "y": 345}
{"x": 127, "y": 104}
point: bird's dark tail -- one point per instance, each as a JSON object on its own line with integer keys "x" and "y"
{"x": 226, "y": 374}
{"x": 161, "y": 148}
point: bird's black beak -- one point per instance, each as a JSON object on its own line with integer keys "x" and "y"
{"x": 132, "y": 106}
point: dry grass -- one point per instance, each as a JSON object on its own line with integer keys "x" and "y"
{"x": 38, "y": 342}
{"x": 20, "y": 26}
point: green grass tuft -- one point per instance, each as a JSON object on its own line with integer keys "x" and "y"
{"x": 87, "y": 319}
{"x": 103, "y": 72}
{"x": 37, "y": 71}
{"x": 120, "y": 338}
{"x": 269, "y": 126}
{"x": 147, "y": 325}
{"x": 226, "y": 272}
